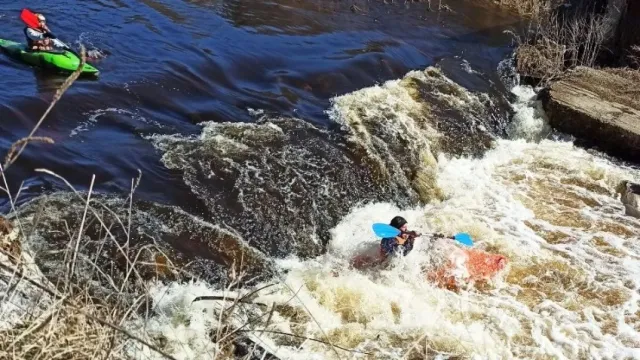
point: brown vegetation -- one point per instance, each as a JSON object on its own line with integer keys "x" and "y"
{"x": 553, "y": 44}
{"x": 527, "y": 7}
{"x": 563, "y": 36}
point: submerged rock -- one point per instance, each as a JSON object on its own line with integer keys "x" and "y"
{"x": 163, "y": 242}
{"x": 281, "y": 183}
{"x": 599, "y": 107}
{"x": 630, "y": 197}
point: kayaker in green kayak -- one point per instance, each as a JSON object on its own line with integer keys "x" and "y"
{"x": 43, "y": 49}
{"x": 38, "y": 38}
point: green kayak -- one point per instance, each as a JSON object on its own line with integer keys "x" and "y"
{"x": 64, "y": 61}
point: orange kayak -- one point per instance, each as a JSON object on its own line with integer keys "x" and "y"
{"x": 463, "y": 264}
{"x": 479, "y": 265}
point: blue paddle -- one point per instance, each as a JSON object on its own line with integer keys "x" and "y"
{"x": 386, "y": 231}
{"x": 464, "y": 239}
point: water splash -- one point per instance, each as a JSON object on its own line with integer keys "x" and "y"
{"x": 401, "y": 124}
{"x": 556, "y": 300}
{"x": 530, "y": 121}
{"x": 93, "y": 53}
{"x": 570, "y": 289}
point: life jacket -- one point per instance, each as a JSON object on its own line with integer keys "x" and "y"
{"x": 30, "y": 43}
{"x": 389, "y": 245}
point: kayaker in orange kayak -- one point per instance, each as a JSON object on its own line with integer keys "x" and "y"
{"x": 457, "y": 265}
{"x": 402, "y": 243}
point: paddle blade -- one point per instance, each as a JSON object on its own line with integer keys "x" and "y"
{"x": 60, "y": 44}
{"x": 384, "y": 230}
{"x": 29, "y": 18}
{"x": 464, "y": 238}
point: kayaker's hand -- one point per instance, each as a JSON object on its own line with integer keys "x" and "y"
{"x": 438, "y": 235}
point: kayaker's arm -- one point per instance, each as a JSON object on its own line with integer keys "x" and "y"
{"x": 35, "y": 35}
{"x": 389, "y": 245}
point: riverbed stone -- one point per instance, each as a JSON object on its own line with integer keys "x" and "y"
{"x": 601, "y": 108}
{"x": 167, "y": 243}
{"x": 630, "y": 198}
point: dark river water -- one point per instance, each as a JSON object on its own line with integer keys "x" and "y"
{"x": 168, "y": 65}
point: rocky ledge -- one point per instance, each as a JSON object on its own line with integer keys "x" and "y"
{"x": 630, "y": 197}
{"x": 601, "y": 108}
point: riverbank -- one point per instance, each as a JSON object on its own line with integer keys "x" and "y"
{"x": 600, "y": 107}
{"x": 586, "y": 56}
{"x": 86, "y": 276}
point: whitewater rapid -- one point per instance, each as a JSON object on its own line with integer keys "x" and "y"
{"x": 570, "y": 290}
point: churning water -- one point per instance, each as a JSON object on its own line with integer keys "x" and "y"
{"x": 570, "y": 290}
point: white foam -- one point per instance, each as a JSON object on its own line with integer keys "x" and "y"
{"x": 361, "y": 307}
{"x": 560, "y": 298}
{"x": 481, "y": 203}
{"x": 529, "y": 121}
{"x": 179, "y": 321}
{"x": 255, "y": 112}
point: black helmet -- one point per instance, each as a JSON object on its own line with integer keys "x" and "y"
{"x": 397, "y": 222}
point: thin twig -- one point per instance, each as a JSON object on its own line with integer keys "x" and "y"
{"x": 95, "y": 213}
{"x": 128, "y": 334}
{"x": 311, "y": 315}
{"x": 80, "y": 232}
{"x": 308, "y": 338}
{"x": 13, "y": 153}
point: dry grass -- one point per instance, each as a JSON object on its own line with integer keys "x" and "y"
{"x": 555, "y": 42}
{"x": 634, "y": 56}
{"x": 533, "y": 8}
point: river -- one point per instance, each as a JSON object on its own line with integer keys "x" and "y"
{"x": 297, "y": 124}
